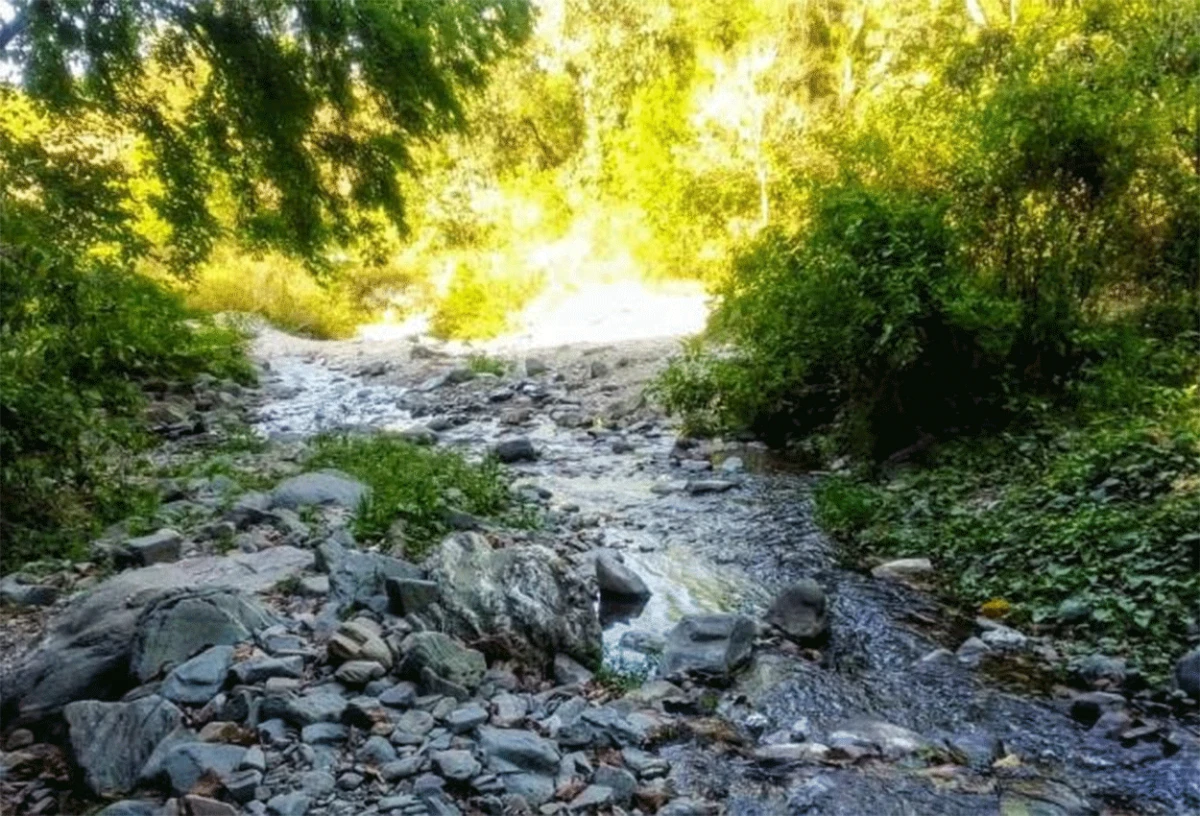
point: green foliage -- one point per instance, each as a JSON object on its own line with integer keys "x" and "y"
{"x": 1104, "y": 510}
{"x": 77, "y": 338}
{"x": 484, "y": 364}
{"x": 978, "y": 240}
{"x": 299, "y": 113}
{"x": 479, "y": 306}
{"x": 416, "y": 486}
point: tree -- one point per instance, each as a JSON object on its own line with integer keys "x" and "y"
{"x": 297, "y": 113}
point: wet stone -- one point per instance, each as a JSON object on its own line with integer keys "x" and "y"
{"x": 462, "y": 720}
{"x": 323, "y": 733}
{"x": 400, "y": 695}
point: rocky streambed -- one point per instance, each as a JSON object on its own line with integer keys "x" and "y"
{"x": 741, "y": 669}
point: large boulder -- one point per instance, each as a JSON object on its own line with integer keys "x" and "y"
{"x": 523, "y": 603}
{"x": 359, "y": 579}
{"x": 184, "y": 622}
{"x": 86, "y": 651}
{"x": 322, "y": 487}
{"x": 711, "y": 647}
{"x": 111, "y": 741}
{"x": 800, "y": 612}
{"x": 615, "y": 578}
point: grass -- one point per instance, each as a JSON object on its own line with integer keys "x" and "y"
{"x": 1103, "y": 510}
{"x": 417, "y": 485}
{"x": 485, "y": 364}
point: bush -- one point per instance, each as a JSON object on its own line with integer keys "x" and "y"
{"x": 479, "y": 306}
{"x": 78, "y": 337}
{"x": 1106, "y": 513}
{"x": 416, "y": 486}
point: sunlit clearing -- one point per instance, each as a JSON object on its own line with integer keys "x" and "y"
{"x": 610, "y": 312}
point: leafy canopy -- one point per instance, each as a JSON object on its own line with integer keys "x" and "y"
{"x": 293, "y": 116}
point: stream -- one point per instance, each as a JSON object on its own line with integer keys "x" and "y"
{"x": 732, "y": 551}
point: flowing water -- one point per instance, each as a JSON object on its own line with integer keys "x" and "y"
{"x": 731, "y": 551}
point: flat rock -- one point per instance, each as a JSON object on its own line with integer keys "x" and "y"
{"x": 86, "y": 651}
{"x": 359, "y": 579}
{"x": 180, "y": 624}
{"x": 456, "y": 765}
{"x": 904, "y": 569}
{"x": 322, "y": 487}
{"x": 359, "y": 672}
{"x": 196, "y": 681}
{"x": 112, "y": 741}
{"x": 410, "y": 595}
{"x": 161, "y": 547}
{"x": 184, "y": 765}
{"x": 708, "y": 646}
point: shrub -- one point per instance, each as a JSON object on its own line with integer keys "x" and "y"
{"x": 78, "y": 337}
{"x": 417, "y": 486}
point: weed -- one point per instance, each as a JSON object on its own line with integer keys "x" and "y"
{"x": 416, "y": 484}
{"x": 484, "y": 364}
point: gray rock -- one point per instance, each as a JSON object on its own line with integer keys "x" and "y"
{"x": 314, "y": 586}
{"x": 1073, "y": 610}
{"x": 24, "y": 590}
{"x": 1187, "y": 673}
{"x": 698, "y": 487}
{"x": 800, "y": 612}
{"x": 402, "y": 768}
{"x": 892, "y": 741}
{"x": 359, "y": 579}
{"x": 709, "y": 646}
{"x": 465, "y": 718}
{"x": 288, "y": 804}
{"x": 161, "y": 547}
{"x": 376, "y": 751}
{"x": 515, "y": 450}
{"x": 97, "y": 729}
{"x": 904, "y": 569}
{"x": 254, "y": 760}
{"x": 415, "y": 721}
{"x": 620, "y": 781}
{"x": 513, "y": 751}
{"x": 509, "y": 710}
{"x": 324, "y": 733}
{"x": 198, "y": 680}
{"x": 568, "y": 673}
{"x": 517, "y": 603}
{"x": 1004, "y": 639}
{"x": 788, "y": 753}
{"x": 185, "y": 764}
{"x": 180, "y": 624}
{"x": 360, "y": 639}
{"x": 349, "y": 781}
{"x": 400, "y": 695}
{"x": 131, "y": 807}
{"x": 975, "y": 749}
{"x": 1099, "y": 671}
{"x": 86, "y": 653}
{"x": 615, "y": 578}
{"x": 359, "y": 672}
{"x": 260, "y": 669}
{"x": 591, "y": 797}
{"x": 410, "y": 595}
{"x": 444, "y": 657}
{"x": 314, "y": 707}
{"x": 645, "y": 764}
{"x": 456, "y": 765}
{"x": 242, "y": 784}
{"x": 535, "y": 366}
{"x": 324, "y": 487}
{"x": 317, "y": 783}
{"x": 972, "y": 651}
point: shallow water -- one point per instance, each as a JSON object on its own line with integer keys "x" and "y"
{"x": 730, "y": 552}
